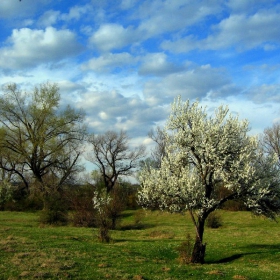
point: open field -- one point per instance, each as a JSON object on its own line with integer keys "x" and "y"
{"x": 245, "y": 247}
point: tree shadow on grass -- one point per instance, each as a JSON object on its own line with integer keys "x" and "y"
{"x": 227, "y": 259}
{"x": 274, "y": 247}
{"x": 256, "y": 249}
{"x": 138, "y": 226}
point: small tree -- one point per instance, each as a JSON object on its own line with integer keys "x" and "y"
{"x": 204, "y": 153}
{"x": 113, "y": 156}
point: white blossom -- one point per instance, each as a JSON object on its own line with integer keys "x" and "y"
{"x": 205, "y": 153}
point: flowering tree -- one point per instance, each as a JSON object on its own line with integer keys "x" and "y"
{"x": 204, "y": 154}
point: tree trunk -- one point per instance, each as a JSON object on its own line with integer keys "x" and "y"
{"x": 198, "y": 253}
{"x": 199, "y": 248}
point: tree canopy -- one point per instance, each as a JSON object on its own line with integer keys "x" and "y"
{"x": 113, "y": 156}
{"x": 204, "y": 154}
{"x": 38, "y": 138}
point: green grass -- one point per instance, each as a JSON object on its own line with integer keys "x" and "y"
{"x": 245, "y": 247}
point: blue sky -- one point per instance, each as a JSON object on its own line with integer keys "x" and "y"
{"x": 125, "y": 61}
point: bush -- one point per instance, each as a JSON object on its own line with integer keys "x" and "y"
{"x": 55, "y": 210}
{"x": 214, "y": 220}
{"x": 80, "y": 203}
{"x": 6, "y": 193}
{"x": 53, "y": 217}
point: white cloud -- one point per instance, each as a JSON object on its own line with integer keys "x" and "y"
{"x": 249, "y": 6}
{"x": 195, "y": 83}
{"x": 19, "y": 9}
{"x": 240, "y": 31}
{"x": 76, "y": 12}
{"x": 265, "y": 93}
{"x": 246, "y": 32}
{"x": 27, "y": 47}
{"x": 127, "y": 4}
{"x": 49, "y": 18}
{"x": 157, "y": 64}
{"x": 113, "y": 111}
{"x": 113, "y": 36}
{"x": 108, "y": 62}
{"x": 165, "y": 16}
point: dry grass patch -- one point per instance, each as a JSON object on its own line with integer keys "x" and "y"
{"x": 240, "y": 277}
{"x": 162, "y": 234}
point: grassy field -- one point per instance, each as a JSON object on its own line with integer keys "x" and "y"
{"x": 245, "y": 247}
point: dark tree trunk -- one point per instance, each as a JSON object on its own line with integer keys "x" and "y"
{"x": 199, "y": 248}
{"x": 198, "y": 253}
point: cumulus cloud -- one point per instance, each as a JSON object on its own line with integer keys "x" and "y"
{"x": 108, "y": 62}
{"x": 52, "y": 17}
{"x": 240, "y": 31}
{"x": 27, "y": 47}
{"x": 264, "y": 93}
{"x": 127, "y": 4}
{"x": 195, "y": 83}
{"x": 111, "y": 111}
{"x": 246, "y": 32}
{"x": 16, "y": 9}
{"x": 174, "y": 15}
{"x": 49, "y": 18}
{"x": 157, "y": 64}
{"x": 249, "y": 6}
{"x": 113, "y": 36}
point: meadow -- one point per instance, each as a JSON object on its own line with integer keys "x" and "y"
{"x": 245, "y": 247}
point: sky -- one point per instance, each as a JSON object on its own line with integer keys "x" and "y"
{"x": 124, "y": 61}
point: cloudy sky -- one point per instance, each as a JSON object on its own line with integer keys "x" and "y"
{"x": 124, "y": 61}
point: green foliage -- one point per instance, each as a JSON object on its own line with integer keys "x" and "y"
{"x": 39, "y": 137}
{"x": 55, "y": 210}
{"x": 6, "y": 193}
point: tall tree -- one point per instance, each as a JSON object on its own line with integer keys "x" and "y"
{"x": 159, "y": 151}
{"x": 204, "y": 153}
{"x": 114, "y": 157}
{"x": 38, "y": 137}
{"x": 270, "y": 140}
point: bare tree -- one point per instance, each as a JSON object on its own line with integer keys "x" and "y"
{"x": 159, "y": 151}
{"x": 113, "y": 156}
{"x": 270, "y": 140}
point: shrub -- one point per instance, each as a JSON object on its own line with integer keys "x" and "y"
{"x": 55, "y": 210}
{"x": 214, "y": 220}
{"x": 6, "y": 193}
{"x": 80, "y": 203}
